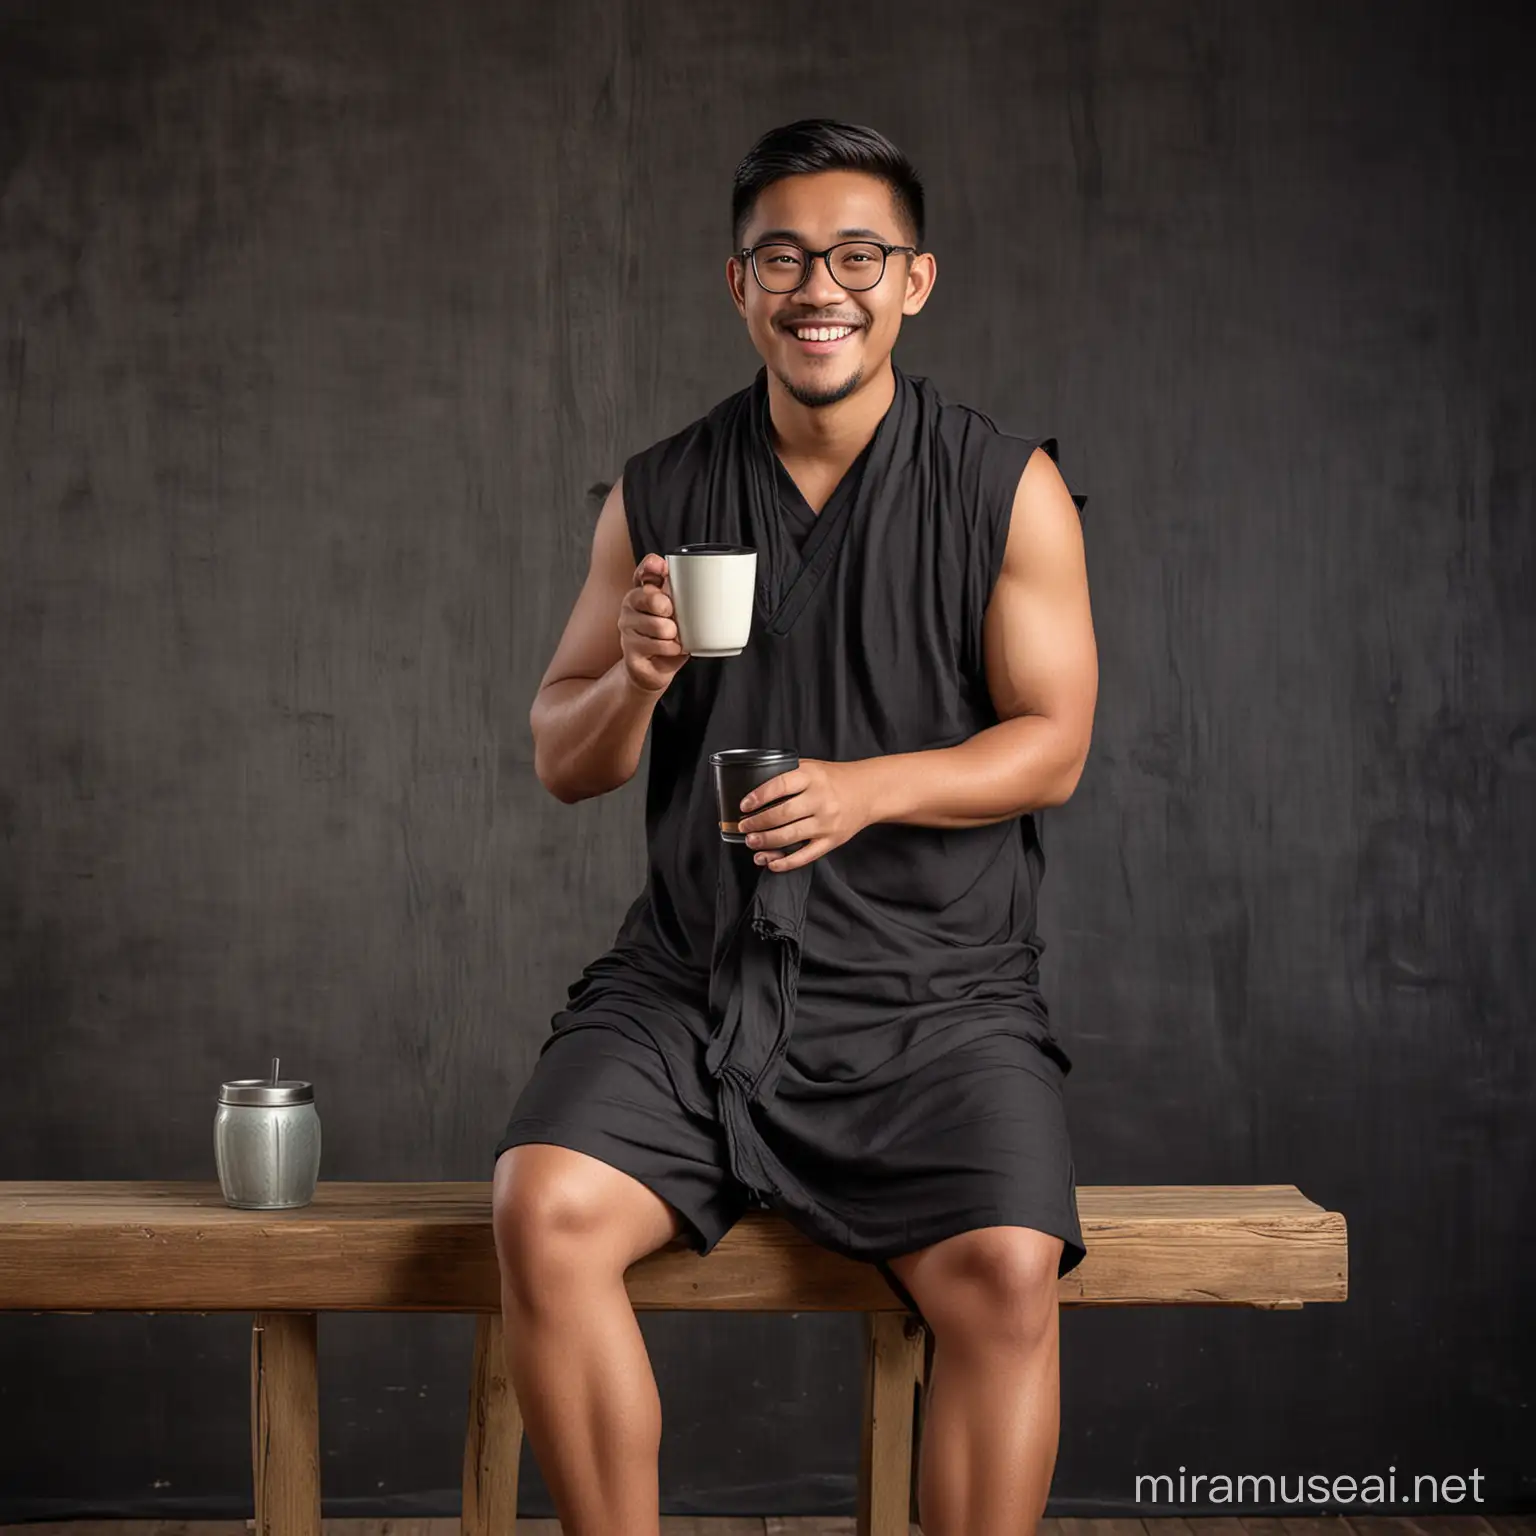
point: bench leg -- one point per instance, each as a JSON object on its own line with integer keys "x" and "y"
{"x": 920, "y": 1404}
{"x": 285, "y": 1424}
{"x": 893, "y": 1367}
{"x": 494, "y": 1439}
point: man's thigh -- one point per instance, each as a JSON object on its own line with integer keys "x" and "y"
{"x": 602, "y": 1092}
{"x": 975, "y": 1139}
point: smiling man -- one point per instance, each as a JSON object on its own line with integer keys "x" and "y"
{"x": 841, "y": 1021}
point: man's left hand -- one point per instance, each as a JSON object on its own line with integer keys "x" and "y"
{"x": 828, "y": 804}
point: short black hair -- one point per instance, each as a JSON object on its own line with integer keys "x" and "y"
{"x": 821, "y": 144}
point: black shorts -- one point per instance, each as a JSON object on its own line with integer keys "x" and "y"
{"x": 978, "y": 1140}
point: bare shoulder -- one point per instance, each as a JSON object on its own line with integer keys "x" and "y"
{"x": 1041, "y": 655}
{"x": 590, "y": 644}
{"x": 612, "y": 547}
{"x": 1045, "y": 532}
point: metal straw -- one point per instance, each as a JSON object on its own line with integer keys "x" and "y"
{"x": 274, "y": 1071}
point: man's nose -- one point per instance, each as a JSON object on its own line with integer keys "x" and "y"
{"x": 820, "y": 285}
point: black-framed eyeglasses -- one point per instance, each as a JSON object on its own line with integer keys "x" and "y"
{"x": 854, "y": 265}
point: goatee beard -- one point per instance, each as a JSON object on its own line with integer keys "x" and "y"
{"x": 819, "y": 397}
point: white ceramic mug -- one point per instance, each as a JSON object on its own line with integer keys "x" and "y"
{"x": 713, "y": 588}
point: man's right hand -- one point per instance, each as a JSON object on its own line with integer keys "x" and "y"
{"x": 648, "y": 630}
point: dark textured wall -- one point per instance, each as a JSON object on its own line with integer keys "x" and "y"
{"x": 320, "y": 323}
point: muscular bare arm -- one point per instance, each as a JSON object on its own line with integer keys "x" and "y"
{"x": 1042, "y": 674}
{"x": 617, "y": 656}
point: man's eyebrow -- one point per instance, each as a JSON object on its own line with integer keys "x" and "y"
{"x": 799, "y": 239}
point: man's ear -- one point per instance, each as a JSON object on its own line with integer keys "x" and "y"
{"x": 736, "y": 281}
{"x": 922, "y": 274}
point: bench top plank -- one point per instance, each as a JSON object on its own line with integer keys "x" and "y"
{"x": 132, "y": 1245}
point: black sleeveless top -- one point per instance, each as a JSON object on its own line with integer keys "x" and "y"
{"x": 866, "y": 640}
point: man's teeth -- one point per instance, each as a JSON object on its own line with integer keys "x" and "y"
{"x": 823, "y": 332}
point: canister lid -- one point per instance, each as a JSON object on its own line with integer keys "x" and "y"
{"x": 262, "y": 1090}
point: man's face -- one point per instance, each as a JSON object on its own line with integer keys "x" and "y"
{"x": 814, "y": 212}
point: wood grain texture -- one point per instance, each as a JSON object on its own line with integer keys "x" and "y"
{"x": 121, "y": 1245}
{"x": 493, "y": 1439}
{"x": 892, "y": 1370}
{"x": 285, "y": 1424}
{"x": 1423, "y": 1525}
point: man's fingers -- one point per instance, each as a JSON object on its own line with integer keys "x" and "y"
{"x": 787, "y": 810}
{"x": 650, "y": 601}
{"x": 813, "y": 850}
{"x": 781, "y": 834}
{"x": 653, "y": 628}
{"x": 791, "y": 783}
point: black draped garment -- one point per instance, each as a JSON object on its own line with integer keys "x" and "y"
{"x": 807, "y": 1013}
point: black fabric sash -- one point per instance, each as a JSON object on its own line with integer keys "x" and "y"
{"x": 760, "y": 919}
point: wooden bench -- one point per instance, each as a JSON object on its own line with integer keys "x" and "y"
{"x": 176, "y": 1247}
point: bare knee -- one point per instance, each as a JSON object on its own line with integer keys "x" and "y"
{"x": 994, "y": 1288}
{"x": 564, "y": 1222}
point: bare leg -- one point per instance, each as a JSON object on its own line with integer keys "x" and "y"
{"x": 992, "y": 1415}
{"x": 567, "y": 1227}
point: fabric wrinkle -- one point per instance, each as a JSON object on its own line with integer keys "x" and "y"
{"x": 754, "y": 982}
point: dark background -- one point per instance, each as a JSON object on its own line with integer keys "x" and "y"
{"x": 321, "y": 322}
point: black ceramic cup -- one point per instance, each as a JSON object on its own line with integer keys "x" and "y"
{"x": 738, "y": 771}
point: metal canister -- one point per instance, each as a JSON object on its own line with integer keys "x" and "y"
{"x": 266, "y": 1142}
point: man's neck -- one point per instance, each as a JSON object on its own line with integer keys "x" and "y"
{"x": 829, "y": 433}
